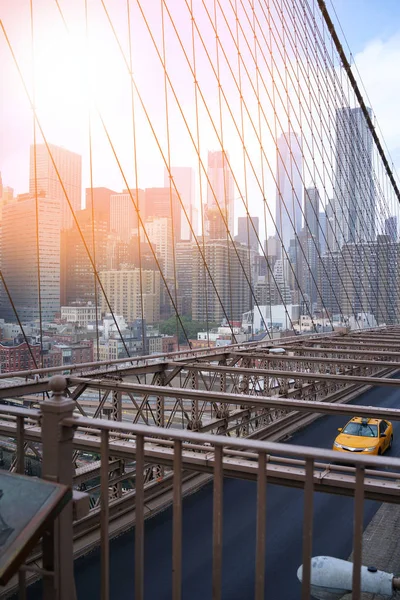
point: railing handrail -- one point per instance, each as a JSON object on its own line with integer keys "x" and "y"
{"x": 265, "y": 447}
{"x": 248, "y": 399}
{"x": 261, "y": 401}
{"x": 31, "y": 413}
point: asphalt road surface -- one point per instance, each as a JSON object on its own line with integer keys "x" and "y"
{"x": 333, "y": 529}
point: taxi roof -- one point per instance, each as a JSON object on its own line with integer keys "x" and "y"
{"x": 370, "y": 421}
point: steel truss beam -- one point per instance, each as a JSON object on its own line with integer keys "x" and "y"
{"x": 351, "y": 352}
{"x": 267, "y": 357}
{"x": 17, "y": 390}
{"x": 291, "y": 375}
{"x": 237, "y": 399}
{"x": 351, "y": 343}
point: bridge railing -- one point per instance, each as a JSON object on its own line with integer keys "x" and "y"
{"x": 311, "y": 469}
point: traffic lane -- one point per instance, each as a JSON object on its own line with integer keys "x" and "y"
{"x": 332, "y": 533}
{"x": 332, "y": 536}
{"x": 323, "y": 431}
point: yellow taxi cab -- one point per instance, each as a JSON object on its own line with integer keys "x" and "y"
{"x": 371, "y": 436}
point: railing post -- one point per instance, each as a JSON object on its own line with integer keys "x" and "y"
{"x": 57, "y": 467}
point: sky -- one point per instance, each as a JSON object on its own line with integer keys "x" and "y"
{"x": 75, "y": 78}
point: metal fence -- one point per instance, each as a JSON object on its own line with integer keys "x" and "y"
{"x": 309, "y": 468}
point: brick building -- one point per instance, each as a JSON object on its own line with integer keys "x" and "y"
{"x": 15, "y": 356}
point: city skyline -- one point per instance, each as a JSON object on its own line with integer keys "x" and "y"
{"x": 156, "y": 202}
{"x": 313, "y": 194}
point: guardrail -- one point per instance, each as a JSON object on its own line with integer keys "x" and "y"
{"x": 239, "y": 458}
{"x": 309, "y": 468}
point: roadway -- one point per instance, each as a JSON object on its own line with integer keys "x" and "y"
{"x": 333, "y": 529}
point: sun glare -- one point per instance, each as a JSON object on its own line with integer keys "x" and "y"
{"x": 61, "y": 82}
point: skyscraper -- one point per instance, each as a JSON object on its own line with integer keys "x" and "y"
{"x": 77, "y": 277}
{"x": 128, "y": 290}
{"x": 330, "y": 267}
{"x": 101, "y": 197}
{"x": 20, "y": 261}
{"x": 229, "y": 289}
{"x": 354, "y": 195}
{"x": 311, "y": 212}
{"x": 184, "y": 272}
{"x": 323, "y": 234}
{"x": 159, "y": 231}
{"x": 311, "y": 244}
{"x": 158, "y": 203}
{"x": 391, "y": 228}
{"x": 43, "y": 178}
{"x": 289, "y": 186}
{"x": 220, "y": 191}
{"x": 184, "y": 182}
{"x": 331, "y": 227}
{"x": 8, "y": 195}
{"x": 248, "y": 228}
{"x": 369, "y": 273}
{"x": 123, "y": 213}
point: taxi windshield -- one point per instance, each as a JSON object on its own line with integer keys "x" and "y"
{"x": 361, "y": 429}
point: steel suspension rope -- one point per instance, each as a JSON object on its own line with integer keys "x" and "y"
{"x": 96, "y": 300}
{"x": 168, "y": 156}
{"x": 216, "y": 133}
{"x": 136, "y": 206}
{"x": 246, "y": 192}
{"x": 358, "y": 94}
{"x": 39, "y": 282}
{"x": 225, "y": 200}
{"x": 312, "y": 123}
{"x": 198, "y": 149}
{"x": 278, "y": 45}
{"x": 218, "y": 137}
{"x": 259, "y": 122}
{"x": 136, "y": 177}
{"x": 344, "y": 211}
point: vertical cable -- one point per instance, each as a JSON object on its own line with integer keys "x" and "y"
{"x": 133, "y": 109}
{"x": 197, "y": 147}
{"x": 246, "y": 199}
{"x": 36, "y": 186}
{"x": 226, "y": 175}
{"x": 168, "y": 156}
{"x": 256, "y": 65}
{"x": 96, "y": 300}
